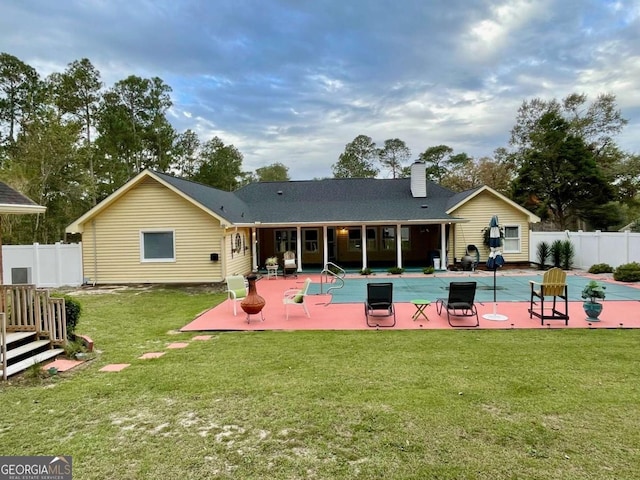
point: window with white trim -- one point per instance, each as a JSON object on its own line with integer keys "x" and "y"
{"x": 310, "y": 240}
{"x": 388, "y": 238}
{"x": 157, "y": 246}
{"x": 512, "y": 241}
{"x": 372, "y": 239}
{"x": 355, "y": 239}
{"x": 405, "y": 235}
{"x": 286, "y": 240}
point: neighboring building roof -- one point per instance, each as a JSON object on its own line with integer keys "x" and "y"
{"x": 12, "y": 201}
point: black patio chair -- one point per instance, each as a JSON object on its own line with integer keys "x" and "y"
{"x": 460, "y": 302}
{"x": 379, "y": 303}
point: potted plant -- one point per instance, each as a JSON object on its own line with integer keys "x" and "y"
{"x": 592, "y": 292}
{"x": 271, "y": 261}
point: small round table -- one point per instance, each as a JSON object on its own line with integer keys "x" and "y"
{"x": 420, "y": 304}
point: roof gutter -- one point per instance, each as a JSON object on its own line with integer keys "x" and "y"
{"x": 347, "y": 223}
{"x": 19, "y": 209}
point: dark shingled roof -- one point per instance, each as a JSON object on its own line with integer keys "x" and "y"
{"x": 344, "y": 200}
{"x": 9, "y": 196}
{"x": 225, "y": 204}
{"x": 322, "y": 201}
{"x": 458, "y": 197}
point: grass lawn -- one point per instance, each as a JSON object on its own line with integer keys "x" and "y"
{"x": 479, "y": 404}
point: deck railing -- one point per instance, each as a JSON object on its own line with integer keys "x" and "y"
{"x": 29, "y": 309}
{"x": 3, "y": 344}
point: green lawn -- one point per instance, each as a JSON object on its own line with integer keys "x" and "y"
{"x": 480, "y": 404}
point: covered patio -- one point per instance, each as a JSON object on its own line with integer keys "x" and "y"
{"x": 345, "y": 311}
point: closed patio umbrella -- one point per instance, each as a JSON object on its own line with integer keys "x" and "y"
{"x": 495, "y": 261}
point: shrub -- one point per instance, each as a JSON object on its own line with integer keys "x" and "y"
{"x": 428, "y": 270}
{"x": 395, "y": 270}
{"x": 543, "y": 251}
{"x": 600, "y": 268}
{"x": 567, "y": 253}
{"x": 73, "y": 348}
{"x": 556, "y": 252}
{"x": 629, "y": 272}
{"x": 365, "y": 271}
{"x": 73, "y": 310}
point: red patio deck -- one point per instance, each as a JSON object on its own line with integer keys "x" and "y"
{"x": 350, "y": 316}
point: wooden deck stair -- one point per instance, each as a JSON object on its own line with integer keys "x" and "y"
{"x": 24, "y": 349}
{"x": 33, "y": 327}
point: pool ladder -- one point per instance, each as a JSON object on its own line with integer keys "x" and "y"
{"x": 332, "y": 274}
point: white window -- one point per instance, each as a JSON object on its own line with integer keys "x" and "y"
{"x": 406, "y": 238}
{"x": 286, "y": 240}
{"x": 372, "y": 240}
{"x": 388, "y": 238}
{"x": 512, "y": 239}
{"x": 157, "y": 246}
{"x": 310, "y": 240}
{"x": 355, "y": 239}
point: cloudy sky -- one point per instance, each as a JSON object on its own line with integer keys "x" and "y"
{"x": 294, "y": 81}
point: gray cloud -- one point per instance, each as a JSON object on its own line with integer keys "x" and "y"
{"x": 294, "y": 81}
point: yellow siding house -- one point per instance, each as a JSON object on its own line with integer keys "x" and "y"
{"x": 150, "y": 232}
{"x": 159, "y": 228}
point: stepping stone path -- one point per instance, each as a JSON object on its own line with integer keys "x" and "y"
{"x": 116, "y": 367}
{"x": 146, "y": 356}
{"x": 62, "y": 365}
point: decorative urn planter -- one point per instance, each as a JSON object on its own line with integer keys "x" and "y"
{"x": 252, "y": 303}
{"x": 592, "y": 292}
{"x": 593, "y": 310}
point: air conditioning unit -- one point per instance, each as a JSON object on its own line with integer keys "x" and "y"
{"x": 20, "y": 275}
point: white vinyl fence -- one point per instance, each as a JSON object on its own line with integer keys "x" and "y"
{"x": 613, "y": 248}
{"x": 58, "y": 265}
{"x": 45, "y": 266}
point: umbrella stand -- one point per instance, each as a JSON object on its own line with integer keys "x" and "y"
{"x": 495, "y": 315}
{"x": 495, "y": 260}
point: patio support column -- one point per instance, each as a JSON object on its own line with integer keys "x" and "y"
{"x": 254, "y": 248}
{"x": 443, "y": 247}
{"x": 399, "y": 245}
{"x": 363, "y": 236}
{"x": 325, "y": 245}
{"x": 299, "y": 247}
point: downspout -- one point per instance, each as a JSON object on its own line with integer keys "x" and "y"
{"x": 95, "y": 253}
{"x": 223, "y": 255}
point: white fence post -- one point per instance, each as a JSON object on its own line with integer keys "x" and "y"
{"x": 35, "y": 269}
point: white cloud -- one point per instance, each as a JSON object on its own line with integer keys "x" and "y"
{"x": 294, "y": 82}
{"x": 489, "y": 36}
